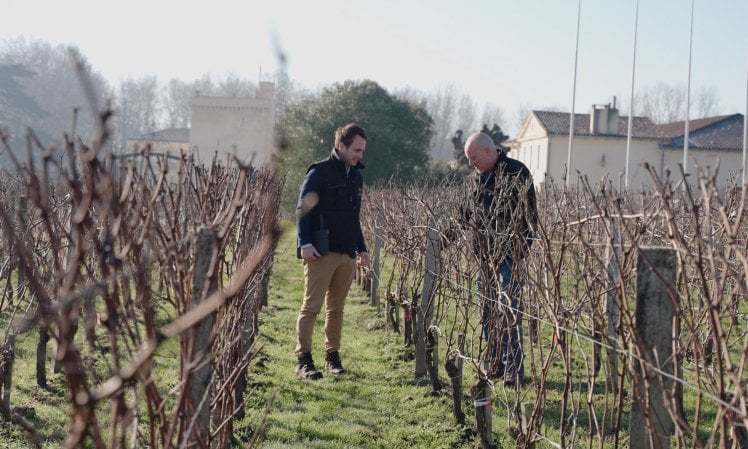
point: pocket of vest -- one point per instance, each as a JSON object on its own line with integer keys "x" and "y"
{"x": 321, "y": 241}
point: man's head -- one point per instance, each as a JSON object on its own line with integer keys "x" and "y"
{"x": 480, "y": 151}
{"x": 350, "y": 141}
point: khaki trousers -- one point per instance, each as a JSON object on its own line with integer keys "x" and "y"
{"x": 326, "y": 279}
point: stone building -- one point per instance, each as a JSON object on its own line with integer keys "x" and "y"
{"x": 224, "y": 125}
{"x": 229, "y": 125}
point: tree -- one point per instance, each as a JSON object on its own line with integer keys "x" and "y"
{"x": 467, "y": 112}
{"x": 662, "y": 103}
{"x": 286, "y": 92}
{"x": 520, "y": 116}
{"x": 450, "y": 109}
{"x": 50, "y": 78}
{"x": 232, "y": 85}
{"x": 398, "y": 132}
{"x": 442, "y": 106}
{"x": 176, "y": 103}
{"x": 139, "y": 107}
{"x": 16, "y": 106}
{"x": 706, "y": 104}
{"x": 493, "y": 114}
{"x": 665, "y": 103}
{"x": 497, "y": 135}
{"x": 12, "y": 95}
{"x": 459, "y": 148}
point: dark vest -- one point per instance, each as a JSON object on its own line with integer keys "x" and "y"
{"x": 339, "y": 205}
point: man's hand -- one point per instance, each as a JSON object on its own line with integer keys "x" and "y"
{"x": 309, "y": 253}
{"x": 362, "y": 259}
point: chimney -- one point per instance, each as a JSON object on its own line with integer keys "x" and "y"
{"x": 604, "y": 119}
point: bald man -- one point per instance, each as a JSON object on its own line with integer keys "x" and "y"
{"x": 503, "y": 214}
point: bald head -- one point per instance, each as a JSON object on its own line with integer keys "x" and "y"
{"x": 481, "y": 152}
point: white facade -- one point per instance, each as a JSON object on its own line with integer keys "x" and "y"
{"x": 727, "y": 163}
{"x": 594, "y": 157}
{"x": 231, "y": 125}
{"x": 601, "y": 154}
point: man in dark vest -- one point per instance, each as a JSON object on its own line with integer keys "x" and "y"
{"x": 502, "y": 217}
{"x": 330, "y": 243}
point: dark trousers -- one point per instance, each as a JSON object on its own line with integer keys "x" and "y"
{"x": 501, "y": 318}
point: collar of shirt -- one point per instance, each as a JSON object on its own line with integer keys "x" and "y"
{"x": 337, "y": 156}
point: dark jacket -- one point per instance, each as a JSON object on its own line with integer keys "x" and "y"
{"x": 504, "y": 212}
{"x": 339, "y": 206}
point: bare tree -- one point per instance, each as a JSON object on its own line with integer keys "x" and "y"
{"x": 51, "y": 81}
{"x": 139, "y": 106}
{"x": 519, "y": 117}
{"x": 204, "y": 86}
{"x": 665, "y": 103}
{"x": 410, "y": 94}
{"x": 175, "y": 96}
{"x": 706, "y": 103}
{"x": 287, "y": 91}
{"x": 283, "y": 94}
{"x": 467, "y": 113}
{"x": 493, "y": 113}
{"x": 176, "y": 105}
{"x": 662, "y": 103}
{"x": 441, "y": 106}
{"x": 452, "y": 110}
{"x": 232, "y": 85}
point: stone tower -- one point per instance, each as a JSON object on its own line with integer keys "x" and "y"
{"x": 233, "y": 124}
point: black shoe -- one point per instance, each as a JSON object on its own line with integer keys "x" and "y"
{"x": 332, "y": 363}
{"x": 496, "y": 372}
{"x": 305, "y": 367}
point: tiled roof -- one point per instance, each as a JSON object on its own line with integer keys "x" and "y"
{"x": 724, "y": 132}
{"x": 677, "y": 128}
{"x": 558, "y": 123}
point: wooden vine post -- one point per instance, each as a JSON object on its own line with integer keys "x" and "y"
{"x": 612, "y": 308}
{"x": 378, "y": 237}
{"x": 201, "y": 357}
{"x": 657, "y": 326}
{"x": 425, "y": 311}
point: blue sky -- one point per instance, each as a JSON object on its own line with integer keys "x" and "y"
{"x": 504, "y": 52}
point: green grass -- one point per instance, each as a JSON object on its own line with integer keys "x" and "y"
{"x": 376, "y": 404}
{"x": 45, "y": 409}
